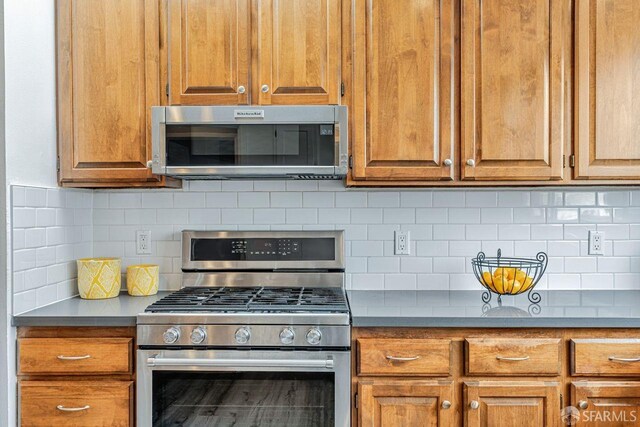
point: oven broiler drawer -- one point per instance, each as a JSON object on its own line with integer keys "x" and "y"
{"x": 250, "y": 336}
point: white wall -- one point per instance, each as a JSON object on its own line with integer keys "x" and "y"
{"x": 30, "y": 79}
{"x": 29, "y": 140}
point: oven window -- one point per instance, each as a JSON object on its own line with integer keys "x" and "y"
{"x": 243, "y": 399}
{"x": 250, "y": 145}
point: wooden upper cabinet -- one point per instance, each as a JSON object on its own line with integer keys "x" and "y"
{"x": 403, "y": 82}
{"x": 209, "y": 52}
{"x": 396, "y": 403}
{"x": 511, "y": 403}
{"x": 298, "y": 52}
{"x": 515, "y": 59}
{"x": 107, "y": 81}
{"x": 607, "y": 89}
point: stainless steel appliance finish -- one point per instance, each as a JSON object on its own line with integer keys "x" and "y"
{"x": 232, "y": 144}
{"x": 263, "y": 316}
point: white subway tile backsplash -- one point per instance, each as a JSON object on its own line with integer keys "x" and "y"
{"x": 448, "y": 228}
{"x": 514, "y": 199}
{"x": 416, "y": 199}
{"x": 481, "y": 199}
{"x": 626, "y": 215}
{"x": 547, "y": 198}
{"x": 449, "y": 199}
{"x": 399, "y": 216}
{"x": 51, "y": 228}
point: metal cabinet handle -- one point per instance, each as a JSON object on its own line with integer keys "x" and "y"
{"x": 624, "y": 359}
{"x": 513, "y": 359}
{"x": 242, "y": 363}
{"x": 78, "y": 409}
{"x": 447, "y": 162}
{"x": 474, "y": 404}
{"x": 86, "y": 356}
{"x": 446, "y": 404}
{"x": 583, "y": 404}
{"x": 149, "y": 164}
{"x": 264, "y": 88}
{"x": 471, "y": 162}
{"x": 402, "y": 359}
{"x": 241, "y": 89}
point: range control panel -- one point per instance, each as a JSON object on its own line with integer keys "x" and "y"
{"x": 263, "y": 249}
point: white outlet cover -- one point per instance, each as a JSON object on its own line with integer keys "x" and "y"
{"x": 143, "y": 242}
{"x": 402, "y": 244}
{"x": 596, "y": 242}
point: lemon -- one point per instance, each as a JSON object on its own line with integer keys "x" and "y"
{"x": 499, "y": 283}
{"x": 509, "y": 272}
{"x": 488, "y": 280}
{"x": 517, "y": 285}
{"x": 526, "y": 284}
{"x": 508, "y": 286}
{"x": 520, "y": 276}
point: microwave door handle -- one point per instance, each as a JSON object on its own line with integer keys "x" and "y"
{"x": 240, "y": 363}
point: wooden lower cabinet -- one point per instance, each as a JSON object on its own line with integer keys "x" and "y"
{"x": 76, "y": 376}
{"x": 610, "y": 403}
{"x": 391, "y": 403}
{"x": 76, "y": 403}
{"x": 511, "y": 403}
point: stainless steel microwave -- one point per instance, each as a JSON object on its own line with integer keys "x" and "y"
{"x": 226, "y": 142}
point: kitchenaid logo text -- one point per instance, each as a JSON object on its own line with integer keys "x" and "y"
{"x": 571, "y": 415}
{"x": 248, "y": 114}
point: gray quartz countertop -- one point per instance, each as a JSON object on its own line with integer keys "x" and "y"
{"x": 564, "y": 309}
{"x": 120, "y": 311}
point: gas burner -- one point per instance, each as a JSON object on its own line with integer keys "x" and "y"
{"x": 252, "y": 299}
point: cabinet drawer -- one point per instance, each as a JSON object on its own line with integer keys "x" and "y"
{"x": 428, "y": 357}
{"x": 513, "y": 356}
{"x": 87, "y": 403}
{"x": 606, "y": 357}
{"x": 75, "y": 355}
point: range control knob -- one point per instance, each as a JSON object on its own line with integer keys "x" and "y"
{"x": 243, "y": 335}
{"x": 198, "y": 335}
{"x": 287, "y": 336}
{"x": 171, "y": 335}
{"x": 314, "y": 336}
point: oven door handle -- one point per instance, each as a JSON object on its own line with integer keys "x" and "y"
{"x": 240, "y": 363}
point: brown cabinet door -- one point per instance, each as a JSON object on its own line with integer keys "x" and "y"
{"x": 209, "y": 52}
{"x": 607, "y": 92}
{"x": 515, "y": 59}
{"x": 399, "y": 403}
{"x": 605, "y": 404}
{"x": 511, "y": 403}
{"x": 298, "y": 52}
{"x": 107, "y": 71}
{"x": 402, "y": 111}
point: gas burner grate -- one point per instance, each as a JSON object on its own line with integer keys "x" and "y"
{"x": 255, "y": 299}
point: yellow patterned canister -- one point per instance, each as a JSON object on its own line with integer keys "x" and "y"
{"x": 142, "y": 280}
{"x": 99, "y": 278}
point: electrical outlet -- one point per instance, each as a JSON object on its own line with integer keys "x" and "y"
{"x": 596, "y": 242}
{"x": 143, "y": 242}
{"x": 403, "y": 243}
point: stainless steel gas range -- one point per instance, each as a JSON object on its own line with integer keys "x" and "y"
{"x": 259, "y": 334}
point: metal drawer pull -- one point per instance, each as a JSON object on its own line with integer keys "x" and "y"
{"x": 622, "y": 359}
{"x": 474, "y": 404}
{"x": 513, "y": 359}
{"x": 241, "y": 363}
{"x": 65, "y": 409}
{"x": 446, "y": 404}
{"x": 403, "y": 359}
{"x": 583, "y": 404}
{"x": 86, "y": 356}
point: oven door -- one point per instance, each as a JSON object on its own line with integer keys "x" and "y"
{"x": 243, "y": 388}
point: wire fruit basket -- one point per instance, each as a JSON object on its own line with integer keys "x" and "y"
{"x": 509, "y": 276}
